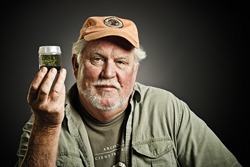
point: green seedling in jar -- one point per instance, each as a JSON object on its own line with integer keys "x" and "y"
{"x": 50, "y": 57}
{"x": 49, "y": 61}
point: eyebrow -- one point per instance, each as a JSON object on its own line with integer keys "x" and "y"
{"x": 94, "y": 51}
{"x": 100, "y": 53}
{"x": 97, "y": 52}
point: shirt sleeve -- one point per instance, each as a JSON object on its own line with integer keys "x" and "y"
{"x": 198, "y": 146}
{"x": 24, "y": 141}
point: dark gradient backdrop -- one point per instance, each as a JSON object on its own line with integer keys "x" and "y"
{"x": 195, "y": 50}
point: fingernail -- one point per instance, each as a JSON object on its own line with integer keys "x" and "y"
{"x": 63, "y": 71}
{"x": 53, "y": 70}
{"x": 44, "y": 69}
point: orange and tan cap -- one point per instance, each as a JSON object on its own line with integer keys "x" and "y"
{"x": 98, "y": 27}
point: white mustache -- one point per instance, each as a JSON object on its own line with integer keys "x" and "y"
{"x": 107, "y": 83}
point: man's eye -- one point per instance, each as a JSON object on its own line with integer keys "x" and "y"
{"x": 120, "y": 62}
{"x": 97, "y": 59}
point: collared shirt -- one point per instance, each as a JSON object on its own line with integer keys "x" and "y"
{"x": 161, "y": 130}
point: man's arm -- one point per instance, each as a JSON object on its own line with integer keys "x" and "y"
{"x": 48, "y": 110}
{"x": 42, "y": 147}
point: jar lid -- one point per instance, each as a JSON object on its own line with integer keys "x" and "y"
{"x": 49, "y": 50}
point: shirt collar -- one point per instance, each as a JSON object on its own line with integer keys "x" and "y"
{"x": 136, "y": 93}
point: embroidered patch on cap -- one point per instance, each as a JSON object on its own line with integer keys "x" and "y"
{"x": 113, "y": 22}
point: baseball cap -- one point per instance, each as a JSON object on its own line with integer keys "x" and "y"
{"x": 99, "y": 27}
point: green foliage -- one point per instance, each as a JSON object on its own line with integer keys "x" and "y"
{"x": 49, "y": 61}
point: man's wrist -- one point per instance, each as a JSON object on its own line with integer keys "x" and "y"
{"x": 45, "y": 128}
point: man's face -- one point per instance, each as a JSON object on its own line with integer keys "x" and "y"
{"x": 106, "y": 74}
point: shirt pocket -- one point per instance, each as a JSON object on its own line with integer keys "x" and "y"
{"x": 154, "y": 153}
{"x": 69, "y": 161}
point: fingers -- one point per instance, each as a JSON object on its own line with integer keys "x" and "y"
{"x": 46, "y": 85}
{"x": 34, "y": 87}
{"x": 59, "y": 87}
{"x": 41, "y": 85}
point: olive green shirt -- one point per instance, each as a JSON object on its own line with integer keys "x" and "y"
{"x": 161, "y": 131}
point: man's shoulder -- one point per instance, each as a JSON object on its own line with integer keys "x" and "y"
{"x": 159, "y": 100}
{"x": 154, "y": 93}
{"x": 159, "y": 108}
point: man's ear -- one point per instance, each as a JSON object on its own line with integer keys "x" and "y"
{"x": 75, "y": 64}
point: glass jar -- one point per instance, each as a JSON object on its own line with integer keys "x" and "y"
{"x": 50, "y": 57}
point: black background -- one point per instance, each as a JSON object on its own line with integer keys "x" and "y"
{"x": 196, "y": 50}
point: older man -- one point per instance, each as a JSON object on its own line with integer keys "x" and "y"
{"x": 108, "y": 119}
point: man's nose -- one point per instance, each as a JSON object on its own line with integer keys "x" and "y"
{"x": 108, "y": 70}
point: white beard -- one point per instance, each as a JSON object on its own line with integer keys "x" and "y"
{"x": 96, "y": 100}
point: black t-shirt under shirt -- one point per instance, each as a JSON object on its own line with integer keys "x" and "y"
{"x": 106, "y": 139}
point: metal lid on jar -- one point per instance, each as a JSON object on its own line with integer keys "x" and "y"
{"x": 49, "y": 50}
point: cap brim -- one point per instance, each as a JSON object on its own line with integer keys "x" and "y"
{"x": 101, "y": 34}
